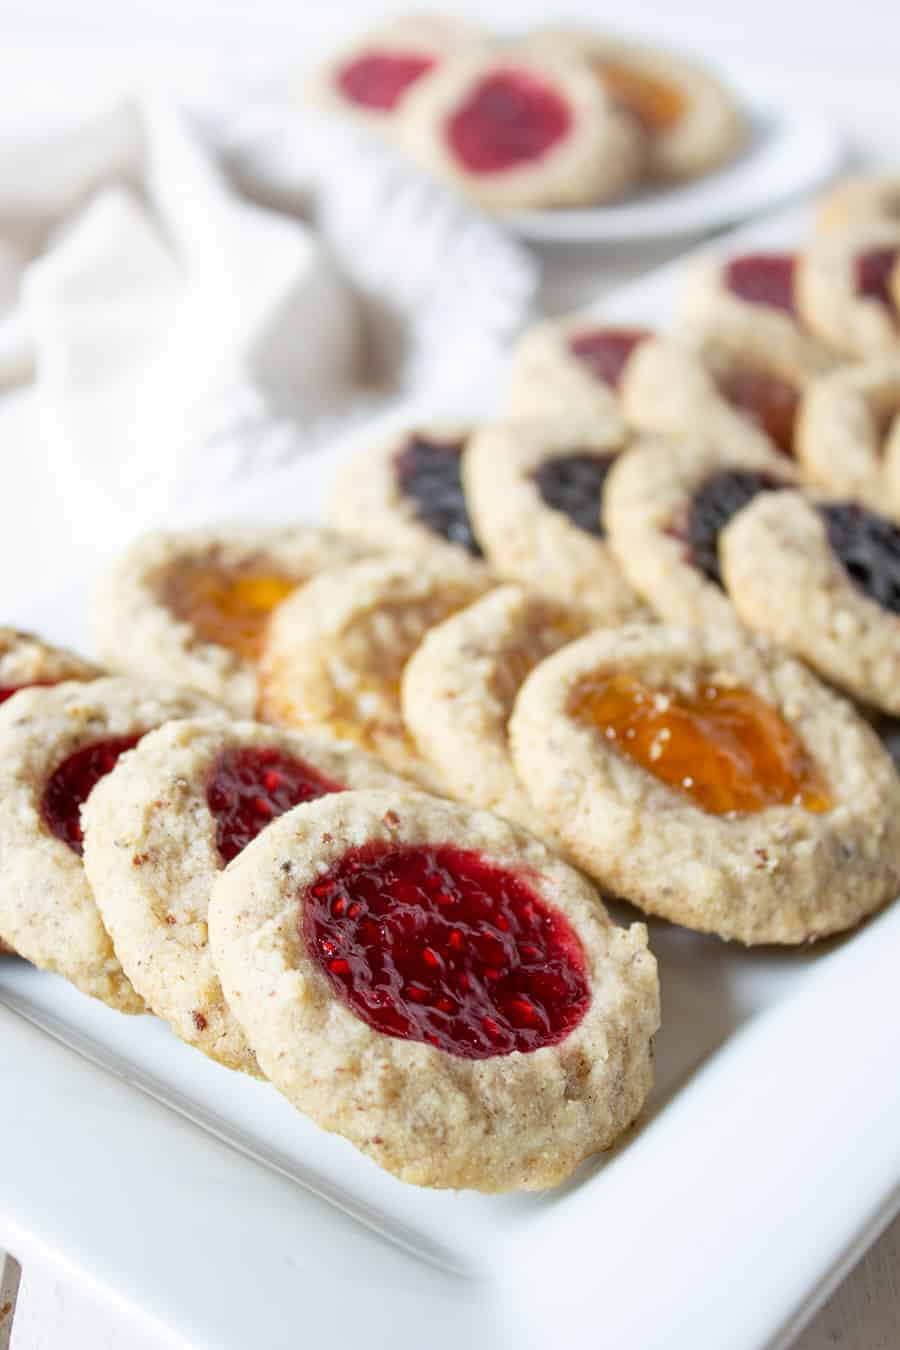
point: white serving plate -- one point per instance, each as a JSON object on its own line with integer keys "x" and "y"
{"x": 200, "y": 1201}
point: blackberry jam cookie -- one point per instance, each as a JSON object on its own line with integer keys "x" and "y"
{"x": 848, "y": 288}
{"x": 535, "y": 491}
{"x": 574, "y": 367}
{"x": 514, "y": 129}
{"x": 665, "y": 506}
{"x": 437, "y": 987}
{"x": 191, "y": 607}
{"x": 460, "y": 685}
{"x": 26, "y": 660}
{"x": 858, "y": 200}
{"x": 712, "y": 781}
{"x": 335, "y": 652}
{"x": 55, "y": 746}
{"x": 165, "y": 822}
{"x": 848, "y": 438}
{"x": 823, "y": 580}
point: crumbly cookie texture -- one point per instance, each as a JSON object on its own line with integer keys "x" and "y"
{"x": 137, "y": 632}
{"x": 151, "y": 856}
{"x": 516, "y": 1121}
{"x": 784, "y": 874}
{"x": 527, "y": 540}
{"x": 786, "y": 583}
{"x": 597, "y": 157}
{"x": 646, "y": 509}
{"x": 829, "y": 297}
{"x": 47, "y": 909}
{"x": 25, "y": 659}
{"x": 460, "y": 686}
{"x": 547, "y": 379}
{"x": 857, "y": 200}
{"x": 690, "y": 121}
{"x": 335, "y": 652}
{"x": 848, "y": 435}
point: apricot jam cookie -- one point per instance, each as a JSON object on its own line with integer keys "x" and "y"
{"x": 573, "y": 367}
{"x": 26, "y": 660}
{"x": 514, "y": 129}
{"x": 535, "y": 491}
{"x": 848, "y": 288}
{"x": 712, "y": 781}
{"x": 55, "y": 746}
{"x": 192, "y": 606}
{"x": 823, "y": 580}
{"x": 406, "y": 494}
{"x": 690, "y": 122}
{"x": 857, "y": 200}
{"x": 434, "y": 985}
{"x": 460, "y": 685}
{"x": 335, "y": 652}
{"x": 162, "y": 825}
{"x": 849, "y": 433}
{"x": 665, "y": 505}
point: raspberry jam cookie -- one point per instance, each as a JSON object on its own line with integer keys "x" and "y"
{"x": 162, "y": 825}
{"x": 26, "y": 661}
{"x": 460, "y": 685}
{"x": 192, "y": 606}
{"x": 335, "y": 652}
{"x": 688, "y": 119}
{"x": 434, "y": 985}
{"x": 55, "y": 746}
{"x": 574, "y": 367}
{"x": 513, "y": 129}
{"x": 849, "y": 433}
{"x": 848, "y": 287}
{"x": 666, "y": 503}
{"x": 406, "y": 494}
{"x": 859, "y": 199}
{"x": 535, "y": 490}
{"x": 712, "y": 781}
{"x": 823, "y": 580}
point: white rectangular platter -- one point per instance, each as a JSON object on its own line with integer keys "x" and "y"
{"x": 769, "y": 1156}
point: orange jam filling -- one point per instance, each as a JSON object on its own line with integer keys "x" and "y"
{"x": 657, "y": 105}
{"x": 723, "y": 747}
{"x": 229, "y": 608}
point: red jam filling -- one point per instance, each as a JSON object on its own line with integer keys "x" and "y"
{"x": 72, "y": 782}
{"x": 380, "y": 79}
{"x": 435, "y": 944}
{"x": 605, "y": 352}
{"x": 767, "y": 400}
{"x": 873, "y": 275}
{"x": 763, "y": 279}
{"x": 248, "y": 787}
{"x": 507, "y": 120}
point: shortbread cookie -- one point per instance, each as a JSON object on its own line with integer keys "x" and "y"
{"x": 160, "y": 828}
{"x": 859, "y": 199}
{"x": 848, "y": 437}
{"x": 405, "y": 493}
{"x": 55, "y": 746}
{"x": 690, "y": 121}
{"x": 711, "y": 780}
{"x": 535, "y": 491}
{"x": 823, "y": 580}
{"x": 26, "y": 660}
{"x": 460, "y": 686}
{"x": 848, "y": 289}
{"x": 504, "y": 1042}
{"x": 191, "y": 606}
{"x": 666, "y": 503}
{"x": 573, "y": 367}
{"x": 513, "y": 129}
{"x": 335, "y": 653}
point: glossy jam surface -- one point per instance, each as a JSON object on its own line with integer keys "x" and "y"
{"x": 229, "y": 608}
{"x": 509, "y": 119}
{"x": 763, "y": 279}
{"x": 656, "y": 104}
{"x": 249, "y": 786}
{"x": 430, "y": 475}
{"x": 714, "y": 503}
{"x": 874, "y": 271}
{"x": 574, "y": 485}
{"x": 606, "y": 351}
{"x": 379, "y": 80}
{"x": 436, "y": 944}
{"x": 767, "y": 400}
{"x": 868, "y": 546}
{"x": 724, "y": 748}
{"x": 72, "y": 782}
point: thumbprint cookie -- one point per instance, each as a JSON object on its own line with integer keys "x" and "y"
{"x": 848, "y": 287}
{"x": 26, "y": 660}
{"x": 848, "y": 439}
{"x": 579, "y": 366}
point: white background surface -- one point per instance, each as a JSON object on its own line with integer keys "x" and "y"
{"x": 843, "y": 59}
